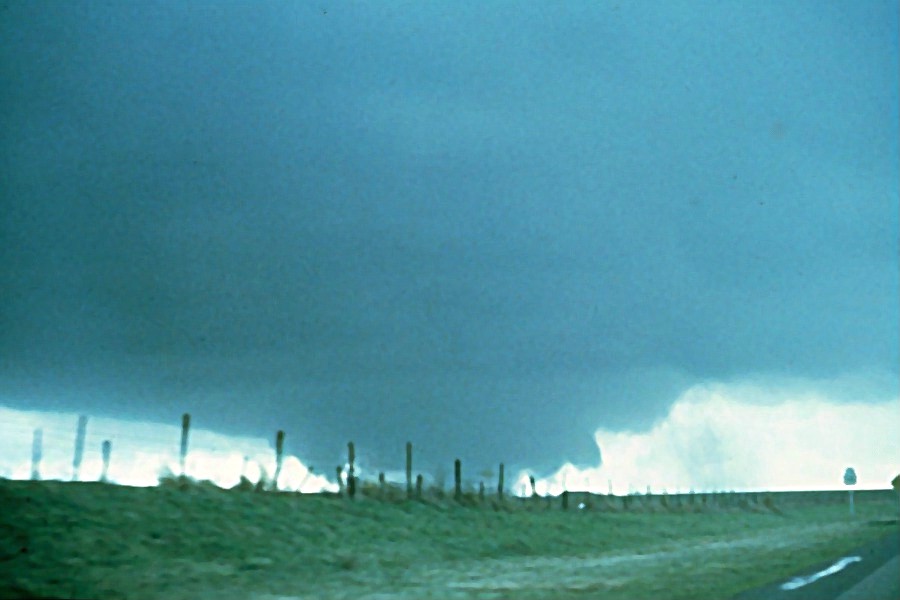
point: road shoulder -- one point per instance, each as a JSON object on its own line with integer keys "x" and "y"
{"x": 874, "y": 555}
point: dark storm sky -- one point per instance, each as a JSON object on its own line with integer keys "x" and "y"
{"x": 488, "y": 227}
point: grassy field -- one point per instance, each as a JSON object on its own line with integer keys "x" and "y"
{"x": 90, "y": 540}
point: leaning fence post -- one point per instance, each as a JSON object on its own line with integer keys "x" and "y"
{"x": 409, "y": 488}
{"x": 351, "y": 479}
{"x": 185, "y": 429}
{"x": 457, "y": 479}
{"x": 107, "y": 450}
{"x": 79, "y": 446}
{"x": 500, "y": 483}
{"x": 37, "y": 452}
{"x": 279, "y": 456}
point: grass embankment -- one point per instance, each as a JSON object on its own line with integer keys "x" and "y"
{"x": 101, "y": 541}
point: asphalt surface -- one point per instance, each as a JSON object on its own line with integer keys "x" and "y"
{"x": 883, "y": 584}
{"x": 875, "y": 577}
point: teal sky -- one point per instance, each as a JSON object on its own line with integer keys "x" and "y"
{"x": 489, "y": 227}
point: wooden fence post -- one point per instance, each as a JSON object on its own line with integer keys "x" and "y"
{"x": 351, "y": 477}
{"x": 457, "y": 479}
{"x": 185, "y": 429}
{"x": 339, "y": 471}
{"x": 79, "y": 446}
{"x": 107, "y": 450}
{"x": 279, "y": 457}
{"x": 382, "y": 484}
{"x": 565, "y": 499}
{"x": 419, "y": 486}
{"x": 37, "y": 452}
{"x": 409, "y": 485}
{"x": 533, "y": 487}
{"x": 500, "y": 483}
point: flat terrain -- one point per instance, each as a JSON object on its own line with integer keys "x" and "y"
{"x": 90, "y": 540}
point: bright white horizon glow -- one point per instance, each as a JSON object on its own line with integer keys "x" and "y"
{"x": 715, "y": 437}
{"x": 142, "y": 452}
{"x": 743, "y": 437}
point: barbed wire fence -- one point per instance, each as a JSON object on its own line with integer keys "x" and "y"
{"x": 60, "y": 452}
{"x": 66, "y": 446}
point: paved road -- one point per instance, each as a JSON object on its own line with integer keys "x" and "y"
{"x": 875, "y": 577}
{"x": 883, "y": 584}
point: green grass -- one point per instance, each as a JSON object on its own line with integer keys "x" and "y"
{"x": 104, "y": 541}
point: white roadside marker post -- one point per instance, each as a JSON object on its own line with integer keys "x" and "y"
{"x": 849, "y": 480}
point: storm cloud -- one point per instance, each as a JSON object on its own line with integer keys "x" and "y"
{"x": 489, "y": 228}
